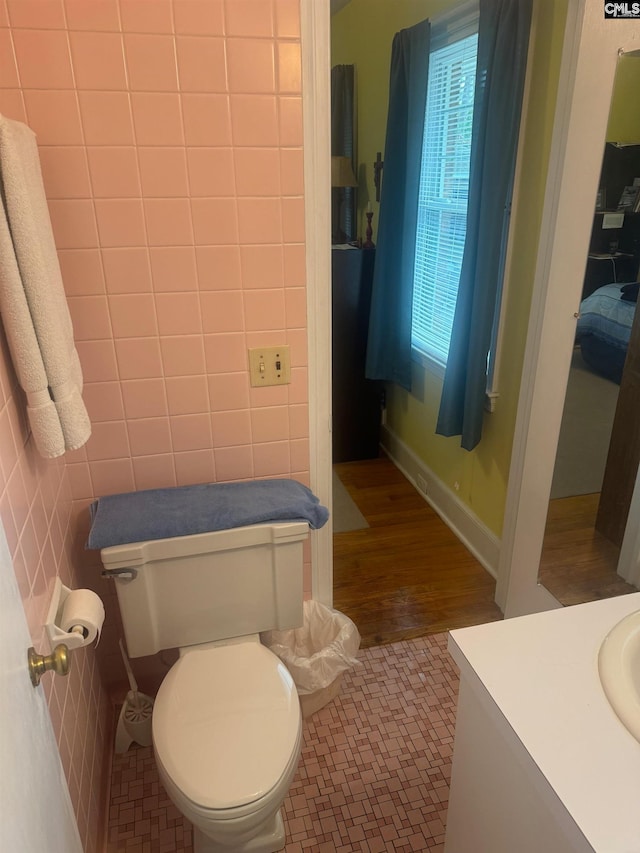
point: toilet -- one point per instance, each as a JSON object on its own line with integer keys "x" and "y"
{"x": 227, "y": 728}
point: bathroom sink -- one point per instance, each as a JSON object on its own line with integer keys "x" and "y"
{"x": 619, "y": 668}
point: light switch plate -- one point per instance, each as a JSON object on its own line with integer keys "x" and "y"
{"x": 270, "y": 365}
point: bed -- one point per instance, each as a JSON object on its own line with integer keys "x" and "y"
{"x": 604, "y": 328}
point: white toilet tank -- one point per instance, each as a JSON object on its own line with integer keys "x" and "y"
{"x": 209, "y": 586}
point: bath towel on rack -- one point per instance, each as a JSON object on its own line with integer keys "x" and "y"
{"x": 33, "y": 305}
{"x": 181, "y": 511}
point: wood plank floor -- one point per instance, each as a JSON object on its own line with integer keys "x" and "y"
{"x": 578, "y": 564}
{"x": 406, "y": 575}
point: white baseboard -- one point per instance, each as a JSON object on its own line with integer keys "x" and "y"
{"x": 474, "y": 535}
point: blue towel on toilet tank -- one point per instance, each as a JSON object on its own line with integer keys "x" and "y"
{"x": 181, "y": 511}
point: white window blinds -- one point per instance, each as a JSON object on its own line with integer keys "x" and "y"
{"x": 444, "y": 188}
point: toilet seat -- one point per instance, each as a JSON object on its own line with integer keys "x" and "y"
{"x": 226, "y": 726}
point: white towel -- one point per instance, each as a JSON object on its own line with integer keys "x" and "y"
{"x": 33, "y": 305}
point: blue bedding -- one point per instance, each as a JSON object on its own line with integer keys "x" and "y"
{"x": 603, "y": 330}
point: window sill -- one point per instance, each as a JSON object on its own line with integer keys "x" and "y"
{"x": 436, "y": 368}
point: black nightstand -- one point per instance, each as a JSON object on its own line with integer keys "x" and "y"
{"x": 607, "y": 269}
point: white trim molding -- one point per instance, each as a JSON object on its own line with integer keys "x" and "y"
{"x": 316, "y": 104}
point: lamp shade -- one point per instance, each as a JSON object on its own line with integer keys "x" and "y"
{"x": 342, "y": 172}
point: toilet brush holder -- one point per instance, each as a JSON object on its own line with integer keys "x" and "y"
{"x": 134, "y": 723}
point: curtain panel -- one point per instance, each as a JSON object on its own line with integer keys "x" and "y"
{"x": 389, "y": 343}
{"x": 503, "y": 39}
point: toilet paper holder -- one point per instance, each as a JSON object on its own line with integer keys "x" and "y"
{"x": 71, "y": 639}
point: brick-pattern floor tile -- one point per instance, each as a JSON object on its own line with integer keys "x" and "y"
{"x": 373, "y": 776}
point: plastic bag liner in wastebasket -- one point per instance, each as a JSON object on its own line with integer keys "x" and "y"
{"x": 317, "y": 654}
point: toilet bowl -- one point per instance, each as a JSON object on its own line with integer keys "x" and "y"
{"x": 227, "y": 733}
{"x": 226, "y": 722}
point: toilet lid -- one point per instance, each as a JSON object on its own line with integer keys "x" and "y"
{"x": 225, "y": 724}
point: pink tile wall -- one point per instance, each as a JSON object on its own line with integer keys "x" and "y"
{"x": 170, "y": 135}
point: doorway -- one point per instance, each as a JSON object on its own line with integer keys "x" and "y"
{"x": 590, "y": 56}
{"x": 586, "y": 517}
{"x": 411, "y": 590}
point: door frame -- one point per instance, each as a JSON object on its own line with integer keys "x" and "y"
{"x": 315, "y": 35}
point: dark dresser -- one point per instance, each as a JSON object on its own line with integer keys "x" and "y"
{"x": 356, "y": 400}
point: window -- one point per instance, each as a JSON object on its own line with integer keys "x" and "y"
{"x": 444, "y": 183}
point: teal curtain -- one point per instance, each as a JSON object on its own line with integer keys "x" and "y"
{"x": 389, "y": 343}
{"x": 503, "y": 39}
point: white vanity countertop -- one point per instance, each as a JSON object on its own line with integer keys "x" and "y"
{"x": 542, "y": 673}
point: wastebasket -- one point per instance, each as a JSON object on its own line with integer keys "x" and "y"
{"x": 317, "y": 654}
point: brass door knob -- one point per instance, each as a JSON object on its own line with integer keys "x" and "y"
{"x": 58, "y": 661}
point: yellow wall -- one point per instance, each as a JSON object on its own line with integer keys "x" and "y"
{"x": 362, "y": 34}
{"x": 624, "y": 122}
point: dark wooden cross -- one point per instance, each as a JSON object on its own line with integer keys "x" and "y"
{"x": 377, "y": 173}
